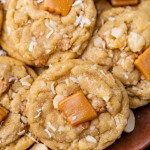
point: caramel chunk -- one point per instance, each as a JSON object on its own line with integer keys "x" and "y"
{"x": 3, "y": 113}
{"x": 77, "y": 109}
{"x": 123, "y": 2}
{"x": 58, "y": 6}
{"x": 143, "y": 63}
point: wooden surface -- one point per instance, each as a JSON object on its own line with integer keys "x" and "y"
{"x": 139, "y": 139}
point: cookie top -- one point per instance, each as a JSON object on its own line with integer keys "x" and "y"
{"x": 15, "y": 81}
{"x": 117, "y": 44}
{"x": 105, "y": 94}
{"x": 38, "y": 37}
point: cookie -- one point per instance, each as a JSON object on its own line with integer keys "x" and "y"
{"x": 15, "y": 81}
{"x": 77, "y": 105}
{"x": 118, "y": 43}
{"x": 39, "y": 37}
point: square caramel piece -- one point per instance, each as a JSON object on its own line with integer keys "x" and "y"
{"x": 58, "y": 6}
{"x": 3, "y": 113}
{"x": 123, "y": 2}
{"x": 143, "y": 64}
{"x": 77, "y": 109}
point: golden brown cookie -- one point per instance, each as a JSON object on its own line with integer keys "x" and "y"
{"x": 63, "y": 102}
{"x": 15, "y": 81}
{"x": 39, "y": 37}
{"x": 118, "y": 43}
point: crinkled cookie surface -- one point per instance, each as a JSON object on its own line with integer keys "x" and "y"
{"x": 38, "y": 37}
{"x": 15, "y": 81}
{"x": 123, "y": 35}
{"x": 105, "y": 93}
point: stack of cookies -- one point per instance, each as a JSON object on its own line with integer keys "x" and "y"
{"x": 71, "y": 71}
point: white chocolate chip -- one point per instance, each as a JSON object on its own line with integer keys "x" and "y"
{"x": 131, "y": 123}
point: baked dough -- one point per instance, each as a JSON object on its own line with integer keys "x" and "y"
{"x": 105, "y": 93}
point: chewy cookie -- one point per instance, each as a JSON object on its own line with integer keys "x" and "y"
{"x": 123, "y": 37}
{"x": 77, "y": 105}
{"x": 15, "y": 81}
{"x": 38, "y": 37}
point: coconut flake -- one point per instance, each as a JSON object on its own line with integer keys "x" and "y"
{"x": 38, "y": 115}
{"x": 49, "y": 28}
{"x": 51, "y": 126}
{"x": 91, "y": 139}
{"x": 117, "y": 121}
{"x": 39, "y": 1}
{"x": 53, "y": 88}
{"x": 84, "y": 21}
{"x": 56, "y": 100}
{"x": 78, "y": 20}
{"x": 24, "y": 119}
{"x": 21, "y": 132}
{"x": 12, "y": 79}
{"x": 77, "y": 2}
{"x": 48, "y": 133}
{"x": 33, "y": 43}
{"x": 32, "y": 138}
